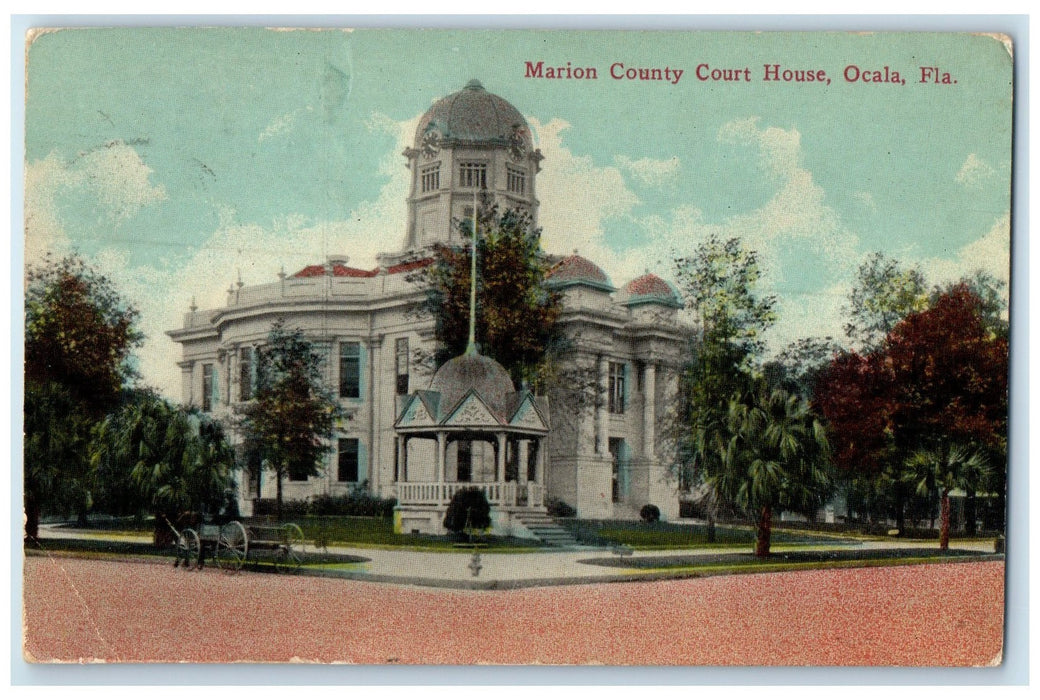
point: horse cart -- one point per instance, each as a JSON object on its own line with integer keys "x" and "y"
{"x": 234, "y": 543}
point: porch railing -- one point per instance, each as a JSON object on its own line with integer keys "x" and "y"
{"x": 498, "y": 493}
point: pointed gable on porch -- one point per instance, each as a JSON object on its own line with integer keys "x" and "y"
{"x": 472, "y": 411}
{"x": 528, "y": 415}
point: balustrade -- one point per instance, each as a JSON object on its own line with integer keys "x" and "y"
{"x": 499, "y": 493}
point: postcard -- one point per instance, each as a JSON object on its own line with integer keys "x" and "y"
{"x": 511, "y": 347}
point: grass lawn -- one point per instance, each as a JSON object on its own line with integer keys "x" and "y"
{"x": 649, "y": 536}
{"x": 379, "y": 532}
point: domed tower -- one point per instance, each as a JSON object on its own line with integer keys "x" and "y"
{"x": 469, "y": 141}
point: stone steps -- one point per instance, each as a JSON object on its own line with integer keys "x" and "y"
{"x": 548, "y": 530}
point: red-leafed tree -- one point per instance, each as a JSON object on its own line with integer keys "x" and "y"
{"x": 949, "y": 374}
{"x": 937, "y": 382}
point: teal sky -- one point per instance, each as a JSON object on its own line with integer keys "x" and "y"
{"x": 179, "y": 159}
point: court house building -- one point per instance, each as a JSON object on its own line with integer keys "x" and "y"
{"x": 420, "y": 435}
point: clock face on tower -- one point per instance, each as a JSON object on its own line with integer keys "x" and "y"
{"x": 430, "y": 143}
{"x": 517, "y": 144}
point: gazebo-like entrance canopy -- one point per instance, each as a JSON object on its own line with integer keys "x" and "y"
{"x": 471, "y": 400}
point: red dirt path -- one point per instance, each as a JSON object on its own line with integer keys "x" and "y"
{"x": 940, "y": 614}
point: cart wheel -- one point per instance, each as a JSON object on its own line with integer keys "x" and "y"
{"x": 290, "y": 556}
{"x": 232, "y": 547}
{"x": 193, "y": 549}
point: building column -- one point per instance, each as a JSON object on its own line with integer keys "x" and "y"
{"x": 374, "y": 479}
{"x": 601, "y": 410}
{"x": 402, "y": 458}
{"x": 521, "y": 460}
{"x": 539, "y": 462}
{"x": 442, "y": 443}
{"x": 500, "y": 459}
{"x": 649, "y": 417}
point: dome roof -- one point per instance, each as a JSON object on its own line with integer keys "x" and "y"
{"x": 474, "y": 114}
{"x": 650, "y": 289}
{"x": 575, "y": 269}
{"x": 488, "y": 378}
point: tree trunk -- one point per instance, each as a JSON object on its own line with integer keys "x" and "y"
{"x": 711, "y": 527}
{"x": 278, "y": 499}
{"x": 944, "y": 531}
{"x": 765, "y": 529}
{"x": 900, "y": 509}
{"x": 970, "y": 513}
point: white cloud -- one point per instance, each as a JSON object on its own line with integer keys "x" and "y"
{"x": 865, "y": 200}
{"x": 779, "y": 149}
{"x": 991, "y": 254}
{"x": 279, "y": 125}
{"x": 974, "y": 172}
{"x": 577, "y": 197}
{"x": 114, "y": 174}
{"x": 649, "y": 172}
{"x": 809, "y": 315}
{"x": 258, "y": 253}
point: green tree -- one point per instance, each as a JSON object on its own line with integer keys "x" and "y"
{"x": 170, "y": 460}
{"x": 799, "y": 366}
{"x": 718, "y": 283}
{"x": 289, "y": 424}
{"x": 57, "y": 431}
{"x": 942, "y": 469}
{"x": 79, "y": 335}
{"x": 884, "y": 294}
{"x": 516, "y": 313}
{"x": 770, "y": 453}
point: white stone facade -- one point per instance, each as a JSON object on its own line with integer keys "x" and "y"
{"x": 607, "y": 460}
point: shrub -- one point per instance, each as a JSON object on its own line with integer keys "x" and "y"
{"x": 559, "y": 509}
{"x": 358, "y": 503}
{"x": 650, "y": 513}
{"x": 469, "y": 508}
{"x": 263, "y": 507}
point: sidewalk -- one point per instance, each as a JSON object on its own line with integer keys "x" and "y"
{"x": 499, "y": 571}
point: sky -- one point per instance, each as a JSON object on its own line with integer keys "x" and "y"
{"x": 178, "y": 160}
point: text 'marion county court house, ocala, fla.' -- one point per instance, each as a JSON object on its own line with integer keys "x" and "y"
{"x": 418, "y": 437}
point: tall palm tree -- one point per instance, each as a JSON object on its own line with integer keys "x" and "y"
{"x": 176, "y": 461}
{"x": 943, "y": 469}
{"x": 772, "y": 452}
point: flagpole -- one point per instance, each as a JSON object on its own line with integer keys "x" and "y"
{"x": 471, "y": 348}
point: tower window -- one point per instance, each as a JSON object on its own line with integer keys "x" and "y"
{"x": 347, "y": 460}
{"x": 616, "y": 387}
{"x": 516, "y": 180}
{"x": 430, "y": 178}
{"x": 401, "y": 360}
{"x": 473, "y": 175}
{"x": 350, "y": 370}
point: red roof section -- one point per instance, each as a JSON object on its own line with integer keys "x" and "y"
{"x": 339, "y": 270}
{"x": 409, "y": 266}
{"x": 649, "y": 285}
{"x": 575, "y": 267}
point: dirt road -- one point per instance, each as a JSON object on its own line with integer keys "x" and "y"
{"x": 940, "y": 614}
